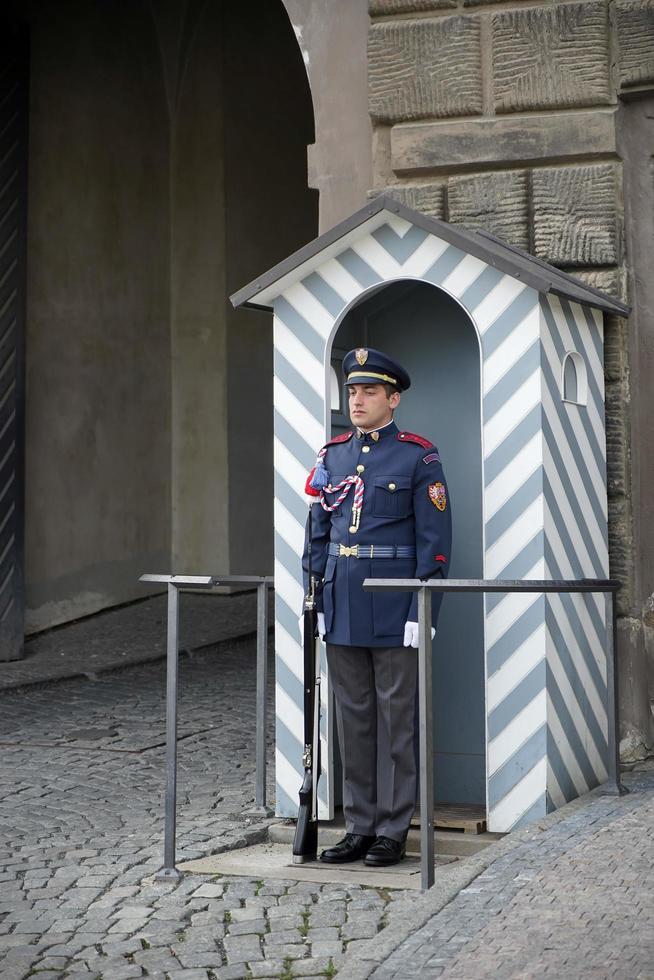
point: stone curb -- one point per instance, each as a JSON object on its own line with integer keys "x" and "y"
{"x": 116, "y": 667}
{"x": 360, "y": 963}
{"x": 129, "y": 636}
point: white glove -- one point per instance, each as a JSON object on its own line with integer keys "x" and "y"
{"x": 321, "y": 626}
{"x": 411, "y": 634}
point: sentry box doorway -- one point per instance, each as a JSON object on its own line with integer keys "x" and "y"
{"x": 506, "y": 358}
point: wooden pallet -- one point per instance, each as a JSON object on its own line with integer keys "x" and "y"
{"x": 467, "y": 817}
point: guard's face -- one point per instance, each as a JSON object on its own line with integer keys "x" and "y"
{"x": 370, "y": 406}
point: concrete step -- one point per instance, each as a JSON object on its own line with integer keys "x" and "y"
{"x": 273, "y": 861}
{"x": 450, "y": 843}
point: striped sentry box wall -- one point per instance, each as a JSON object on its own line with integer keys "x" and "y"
{"x": 544, "y": 495}
{"x": 546, "y": 693}
{"x": 576, "y": 546}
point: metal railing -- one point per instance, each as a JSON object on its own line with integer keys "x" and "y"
{"x": 426, "y": 737}
{"x": 207, "y": 583}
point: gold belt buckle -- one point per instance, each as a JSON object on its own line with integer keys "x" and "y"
{"x": 348, "y": 551}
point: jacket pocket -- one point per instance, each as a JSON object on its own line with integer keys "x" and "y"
{"x": 328, "y": 593}
{"x": 390, "y": 609}
{"x": 391, "y": 496}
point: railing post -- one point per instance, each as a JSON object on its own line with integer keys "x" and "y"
{"x": 172, "y": 656}
{"x": 262, "y": 686}
{"x": 426, "y": 740}
{"x": 613, "y": 787}
{"x": 175, "y": 583}
{"x": 609, "y": 587}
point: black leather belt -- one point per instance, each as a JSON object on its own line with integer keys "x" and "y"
{"x": 371, "y": 550}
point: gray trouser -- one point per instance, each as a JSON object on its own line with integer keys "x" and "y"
{"x": 375, "y": 690}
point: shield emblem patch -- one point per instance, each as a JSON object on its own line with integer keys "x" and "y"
{"x": 361, "y": 355}
{"x": 437, "y": 495}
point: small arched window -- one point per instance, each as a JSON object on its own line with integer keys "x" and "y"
{"x": 574, "y": 383}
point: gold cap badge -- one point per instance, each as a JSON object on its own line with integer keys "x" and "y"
{"x": 361, "y": 355}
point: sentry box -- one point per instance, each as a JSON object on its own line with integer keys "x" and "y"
{"x": 505, "y": 354}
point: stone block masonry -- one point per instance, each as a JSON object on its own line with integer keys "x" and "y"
{"x": 425, "y": 69}
{"x": 430, "y": 147}
{"x": 495, "y": 202}
{"x": 409, "y": 6}
{"x": 550, "y": 57}
{"x": 566, "y": 215}
{"x": 575, "y": 215}
{"x": 510, "y": 117}
{"x": 428, "y": 198}
{"x": 635, "y": 30}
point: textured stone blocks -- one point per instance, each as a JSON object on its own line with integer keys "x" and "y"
{"x": 615, "y": 347}
{"x": 609, "y": 281}
{"x": 429, "y": 198}
{"x": 408, "y": 6}
{"x": 621, "y": 549}
{"x": 616, "y": 438}
{"x": 494, "y": 202}
{"x": 549, "y": 57}
{"x": 635, "y": 27}
{"x": 574, "y": 214}
{"x": 427, "y": 74}
{"x": 422, "y": 69}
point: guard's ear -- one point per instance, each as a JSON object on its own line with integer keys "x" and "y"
{"x": 394, "y": 399}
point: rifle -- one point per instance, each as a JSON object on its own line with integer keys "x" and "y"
{"x": 305, "y": 842}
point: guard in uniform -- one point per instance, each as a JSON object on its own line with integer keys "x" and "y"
{"x": 382, "y": 511}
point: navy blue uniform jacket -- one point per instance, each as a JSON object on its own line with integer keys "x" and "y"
{"x": 405, "y": 503}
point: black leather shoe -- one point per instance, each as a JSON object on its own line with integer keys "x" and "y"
{"x": 385, "y": 851}
{"x": 351, "y": 848}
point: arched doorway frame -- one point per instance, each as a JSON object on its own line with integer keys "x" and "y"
{"x": 479, "y": 699}
{"x": 340, "y": 159}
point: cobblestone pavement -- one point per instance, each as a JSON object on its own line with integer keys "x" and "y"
{"x": 81, "y": 785}
{"x": 573, "y": 900}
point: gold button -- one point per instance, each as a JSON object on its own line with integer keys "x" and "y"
{"x": 391, "y": 486}
{"x": 353, "y": 530}
{"x": 360, "y": 468}
{"x": 365, "y": 449}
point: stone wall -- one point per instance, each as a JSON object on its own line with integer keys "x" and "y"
{"x": 332, "y": 39}
{"x": 97, "y": 504}
{"x": 506, "y": 116}
{"x": 261, "y": 228}
{"x": 149, "y": 406}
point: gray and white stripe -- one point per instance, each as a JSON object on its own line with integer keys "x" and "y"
{"x": 544, "y": 498}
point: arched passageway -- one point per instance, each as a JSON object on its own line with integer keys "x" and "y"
{"x": 168, "y": 164}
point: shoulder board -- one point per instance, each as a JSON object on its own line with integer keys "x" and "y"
{"x": 412, "y": 437}
{"x": 344, "y": 436}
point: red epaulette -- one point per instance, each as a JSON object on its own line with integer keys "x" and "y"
{"x": 344, "y": 436}
{"x": 412, "y": 437}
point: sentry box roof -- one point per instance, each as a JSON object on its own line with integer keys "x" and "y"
{"x": 262, "y": 291}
